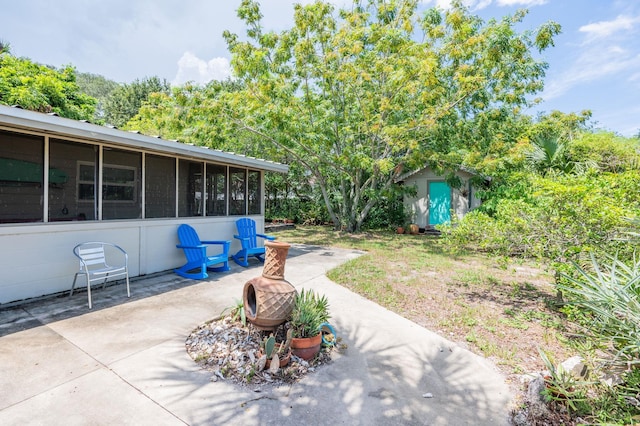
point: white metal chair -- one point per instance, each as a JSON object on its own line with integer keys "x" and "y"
{"x": 94, "y": 266}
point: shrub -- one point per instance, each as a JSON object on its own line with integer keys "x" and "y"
{"x": 610, "y": 296}
{"x": 562, "y": 217}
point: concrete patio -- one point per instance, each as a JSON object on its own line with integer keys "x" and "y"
{"x": 124, "y": 362}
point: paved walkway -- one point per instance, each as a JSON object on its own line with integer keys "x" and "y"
{"x": 124, "y": 362}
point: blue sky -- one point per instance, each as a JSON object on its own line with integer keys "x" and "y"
{"x": 594, "y": 65}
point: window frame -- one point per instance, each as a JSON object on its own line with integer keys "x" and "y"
{"x": 133, "y": 184}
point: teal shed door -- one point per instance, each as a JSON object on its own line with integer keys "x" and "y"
{"x": 439, "y": 203}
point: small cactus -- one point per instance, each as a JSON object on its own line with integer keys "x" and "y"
{"x": 273, "y": 352}
{"x": 284, "y": 348}
{"x": 262, "y": 362}
{"x": 275, "y": 364}
{"x": 269, "y": 345}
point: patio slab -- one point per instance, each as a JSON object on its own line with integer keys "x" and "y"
{"x": 100, "y": 397}
{"x": 59, "y": 357}
{"x": 36, "y": 360}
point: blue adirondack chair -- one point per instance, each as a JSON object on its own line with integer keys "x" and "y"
{"x": 198, "y": 262}
{"x": 248, "y": 238}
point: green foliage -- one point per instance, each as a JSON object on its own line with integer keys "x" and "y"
{"x": 237, "y": 312}
{"x": 605, "y": 299}
{"x": 610, "y": 296}
{"x": 618, "y": 405}
{"x": 301, "y": 209}
{"x": 562, "y": 387}
{"x": 291, "y": 196}
{"x": 634, "y": 228}
{"x": 578, "y": 198}
{"x": 125, "y": 101}
{"x": 570, "y": 125}
{"x": 553, "y": 218}
{"x": 389, "y": 213}
{"x": 5, "y": 47}
{"x": 548, "y": 153}
{"x": 41, "y": 88}
{"x": 607, "y": 151}
{"x": 357, "y": 96}
{"x": 189, "y": 113}
{"x": 97, "y": 87}
{"x": 309, "y": 312}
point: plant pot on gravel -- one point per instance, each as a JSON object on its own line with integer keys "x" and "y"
{"x": 270, "y": 352}
{"x": 284, "y": 358}
{"x": 310, "y": 311}
{"x": 306, "y": 347}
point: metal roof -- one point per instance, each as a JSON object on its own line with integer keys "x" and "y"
{"x": 19, "y": 118}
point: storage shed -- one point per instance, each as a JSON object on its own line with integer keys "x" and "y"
{"x": 435, "y": 200}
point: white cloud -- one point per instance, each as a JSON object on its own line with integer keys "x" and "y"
{"x": 525, "y": 3}
{"x": 482, "y": 4}
{"x": 472, "y": 4}
{"x": 591, "y": 65}
{"x": 606, "y": 28}
{"x": 192, "y": 68}
{"x": 608, "y": 50}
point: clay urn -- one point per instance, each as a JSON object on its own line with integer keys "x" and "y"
{"x": 269, "y": 299}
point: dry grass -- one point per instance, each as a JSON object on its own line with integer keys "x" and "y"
{"x": 503, "y": 309}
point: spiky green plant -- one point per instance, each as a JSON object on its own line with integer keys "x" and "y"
{"x": 309, "y": 312}
{"x": 561, "y": 386}
{"x": 236, "y": 312}
{"x": 610, "y": 296}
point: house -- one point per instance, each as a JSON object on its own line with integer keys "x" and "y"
{"x": 63, "y": 182}
{"x": 435, "y": 200}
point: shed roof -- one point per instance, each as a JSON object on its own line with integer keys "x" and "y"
{"x": 408, "y": 174}
{"x": 19, "y": 118}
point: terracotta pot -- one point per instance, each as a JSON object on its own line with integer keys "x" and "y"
{"x": 306, "y": 347}
{"x": 399, "y": 230}
{"x": 268, "y": 302}
{"x": 283, "y": 361}
{"x": 275, "y": 258}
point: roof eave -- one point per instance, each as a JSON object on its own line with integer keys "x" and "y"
{"x": 35, "y": 121}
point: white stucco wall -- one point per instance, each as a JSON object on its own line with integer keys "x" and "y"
{"x": 37, "y": 259}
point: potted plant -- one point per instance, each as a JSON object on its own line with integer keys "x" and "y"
{"x": 274, "y": 355}
{"x": 414, "y": 229}
{"x": 310, "y": 311}
{"x": 403, "y": 220}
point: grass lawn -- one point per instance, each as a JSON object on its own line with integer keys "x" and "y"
{"x": 502, "y": 309}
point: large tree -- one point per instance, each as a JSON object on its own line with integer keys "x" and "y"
{"x": 125, "y": 101}
{"x": 41, "y": 88}
{"x": 362, "y": 95}
{"x": 98, "y": 87}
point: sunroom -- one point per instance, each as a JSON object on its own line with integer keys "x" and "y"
{"x": 63, "y": 182}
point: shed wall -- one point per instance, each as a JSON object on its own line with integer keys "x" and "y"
{"x": 463, "y": 199}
